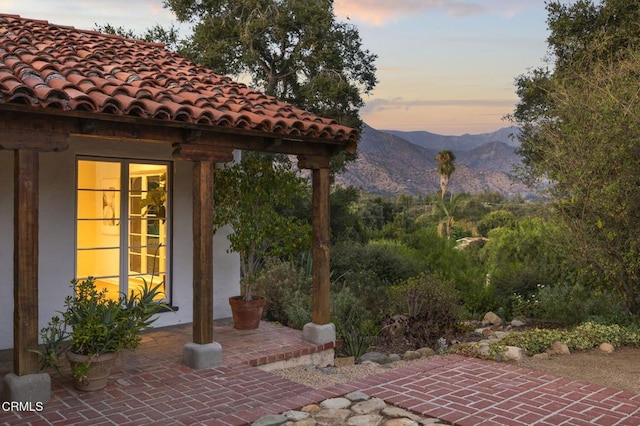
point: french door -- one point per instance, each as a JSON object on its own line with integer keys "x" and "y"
{"x": 122, "y": 224}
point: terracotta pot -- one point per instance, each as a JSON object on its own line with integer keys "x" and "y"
{"x": 99, "y": 370}
{"x": 246, "y": 313}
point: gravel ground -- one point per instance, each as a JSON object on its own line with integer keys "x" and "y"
{"x": 322, "y": 377}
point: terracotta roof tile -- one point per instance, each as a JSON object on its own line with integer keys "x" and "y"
{"x": 52, "y": 66}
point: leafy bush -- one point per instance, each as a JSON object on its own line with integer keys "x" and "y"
{"x": 585, "y": 336}
{"x": 355, "y": 326}
{"x": 432, "y": 305}
{"x": 533, "y": 341}
{"x": 280, "y": 284}
{"x": 368, "y": 270}
{"x": 298, "y": 310}
{"x": 567, "y": 305}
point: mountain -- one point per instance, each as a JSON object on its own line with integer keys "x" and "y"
{"x": 457, "y": 143}
{"x": 393, "y": 162}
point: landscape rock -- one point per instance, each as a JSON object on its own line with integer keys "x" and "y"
{"x": 558, "y": 348}
{"x": 491, "y": 318}
{"x": 500, "y": 334}
{"x": 541, "y": 356}
{"x": 332, "y": 416}
{"x": 377, "y": 357}
{"x": 426, "y": 352}
{"x": 488, "y": 333}
{"x": 409, "y": 355}
{"x": 357, "y": 396}
{"x": 335, "y": 403}
{"x": 395, "y": 357}
{"x": 270, "y": 420}
{"x": 396, "y": 412}
{"x": 517, "y": 323}
{"x": 296, "y": 416}
{"x": 607, "y": 347}
{"x": 369, "y": 406}
{"x": 365, "y": 420}
{"x": 311, "y": 408}
{"x": 401, "y": 422}
{"x": 367, "y": 412}
{"x": 513, "y": 353}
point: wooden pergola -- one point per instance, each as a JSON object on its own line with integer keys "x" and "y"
{"x": 30, "y": 128}
{"x": 29, "y": 131}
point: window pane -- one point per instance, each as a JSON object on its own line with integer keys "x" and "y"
{"x": 94, "y": 234}
{"x": 98, "y": 262}
{"x": 98, "y": 224}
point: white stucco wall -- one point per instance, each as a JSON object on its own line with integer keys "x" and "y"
{"x": 57, "y": 234}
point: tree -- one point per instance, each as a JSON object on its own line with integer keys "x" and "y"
{"x": 581, "y": 133}
{"x": 156, "y": 34}
{"x": 292, "y": 49}
{"x": 448, "y": 209}
{"x": 250, "y": 196}
{"x": 446, "y": 167}
{"x": 582, "y": 35}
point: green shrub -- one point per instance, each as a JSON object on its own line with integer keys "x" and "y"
{"x": 368, "y": 270}
{"x": 355, "y": 326}
{"x": 279, "y": 284}
{"x": 432, "y": 305}
{"x": 584, "y": 336}
{"x": 568, "y": 305}
{"x": 533, "y": 341}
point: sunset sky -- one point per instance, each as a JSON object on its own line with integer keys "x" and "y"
{"x": 444, "y": 66}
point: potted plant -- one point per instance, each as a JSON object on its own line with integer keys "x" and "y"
{"x": 93, "y": 329}
{"x": 250, "y": 196}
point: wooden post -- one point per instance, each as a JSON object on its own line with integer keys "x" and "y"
{"x": 321, "y": 247}
{"x": 203, "y": 252}
{"x": 25, "y": 262}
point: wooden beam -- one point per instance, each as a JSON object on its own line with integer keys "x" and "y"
{"x": 197, "y": 152}
{"x": 25, "y": 262}
{"x": 321, "y": 246}
{"x": 64, "y": 124}
{"x": 33, "y": 140}
{"x": 203, "y": 252}
{"x": 313, "y": 162}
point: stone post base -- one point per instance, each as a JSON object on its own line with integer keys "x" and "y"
{"x": 28, "y": 389}
{"x": 201, "y": 356}
{"x": 319, "y": 334}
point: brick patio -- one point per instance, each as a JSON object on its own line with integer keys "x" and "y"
{"x": 151, "y": 386}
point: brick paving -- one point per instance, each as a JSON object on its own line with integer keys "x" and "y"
{"x": 151, "y": 386}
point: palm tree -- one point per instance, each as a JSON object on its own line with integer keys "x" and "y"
{"x": 446, "y": 167}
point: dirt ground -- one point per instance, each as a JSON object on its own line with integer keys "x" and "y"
{"x": 620, "y": 369}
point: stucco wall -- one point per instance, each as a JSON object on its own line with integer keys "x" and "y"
{"x": 57, "y": 234}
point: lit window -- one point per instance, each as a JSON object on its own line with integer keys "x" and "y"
{"x": 122, "y": 224}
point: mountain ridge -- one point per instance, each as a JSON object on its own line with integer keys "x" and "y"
{"x": 394, "y": 162}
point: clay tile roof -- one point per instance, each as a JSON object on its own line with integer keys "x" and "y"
{"x": 51, "y": 66}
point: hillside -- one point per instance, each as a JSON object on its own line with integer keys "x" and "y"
{"x": 390, "y": 164}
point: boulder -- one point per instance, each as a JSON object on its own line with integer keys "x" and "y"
{"x": 541, "y": 356}
{"x": 607, "y": 347}
{"x": 395, "y": 357}
{"x": 426, "y": 352}
{"x": 513, "y": 353}
{"x": 558, "y": 348}
{"x": 377, "y": 357}
{"x": 409, "y": 355}
{"x": 491, "y": 318}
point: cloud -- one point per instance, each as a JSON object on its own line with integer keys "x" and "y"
{"x": 379, "y": 104}
{"x": 382, "y": 12}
